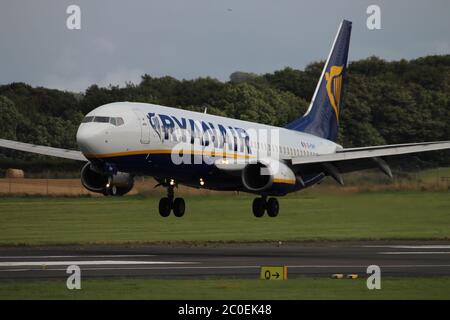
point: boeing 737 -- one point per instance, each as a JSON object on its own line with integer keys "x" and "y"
{"x": 121, "y": 140}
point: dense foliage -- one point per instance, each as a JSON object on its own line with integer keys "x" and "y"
{"x": 385, "y": 102}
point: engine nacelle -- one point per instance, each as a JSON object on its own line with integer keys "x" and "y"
{"x": 267, "y": 175}
{"x": 99, "y": 182}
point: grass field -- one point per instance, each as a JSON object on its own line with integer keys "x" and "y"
{"x": 299, "y": 288}
{"x": 305, "y": 216}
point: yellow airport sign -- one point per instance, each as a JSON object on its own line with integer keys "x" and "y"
{"x": 274, "y": 273}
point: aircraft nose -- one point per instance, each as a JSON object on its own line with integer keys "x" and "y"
{"x": 88, "y": 136}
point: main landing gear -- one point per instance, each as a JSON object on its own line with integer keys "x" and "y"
{"x": 168, "y": 204}
{"x": 260, "y": 205}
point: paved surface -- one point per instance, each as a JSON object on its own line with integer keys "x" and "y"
{"x": 236, "y": 260}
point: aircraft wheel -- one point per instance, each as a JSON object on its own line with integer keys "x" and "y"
{"x": 273, "y": 207}
{"x": 165, "y": 205}
{"x": 259, "y": 206}
{"x": 178, "y": 207}
{"x": 113, "y": 190}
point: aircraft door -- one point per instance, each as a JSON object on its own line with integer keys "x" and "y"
{"x": 145, "y": 127}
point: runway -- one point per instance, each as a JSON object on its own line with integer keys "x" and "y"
{"x": 405, "y": 258}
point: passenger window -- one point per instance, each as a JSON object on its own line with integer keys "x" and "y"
{"x": 113, "y": 121}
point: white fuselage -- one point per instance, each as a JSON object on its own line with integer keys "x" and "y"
{"x": 195, "y": 149}
{"x": 137, "y": 135}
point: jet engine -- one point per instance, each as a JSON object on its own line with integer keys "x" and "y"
{"x": 261, "y": 176}
{"x": 97, "y": 181}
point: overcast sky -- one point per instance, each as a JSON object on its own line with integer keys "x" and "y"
{"x": 121, "y": 40}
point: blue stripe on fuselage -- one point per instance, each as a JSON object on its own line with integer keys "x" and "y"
{"x": 161, "y": 166}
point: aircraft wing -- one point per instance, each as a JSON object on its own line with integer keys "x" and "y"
{"x": 354, "y": 159}
{"x": 48, "y": 151}
{"x": 371, "y": 152}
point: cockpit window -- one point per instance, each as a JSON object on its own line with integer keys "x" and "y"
{"x": 117, "y": 121}
{"x": 87, "y": 119}
{"x": 101, "y": 119}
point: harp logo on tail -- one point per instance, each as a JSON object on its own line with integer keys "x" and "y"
{"x": 334, "y": 87}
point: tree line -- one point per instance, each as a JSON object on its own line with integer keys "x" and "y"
{"x": 385, "y": 102}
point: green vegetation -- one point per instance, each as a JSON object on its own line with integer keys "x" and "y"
{"x": 299, "y": 288}
{"x": 304, "y": 216}
{"x": 385, "y": 102}
{"x": 434, "y": 175}
{"x": 373, "y": 180}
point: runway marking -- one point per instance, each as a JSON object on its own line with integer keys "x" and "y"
{"x": 83, "y": 263}
{"x": 80, "y": 256}
{"x": 239, "y": 267}
{"x": 414, "y": 252}
{"x": 409, "y": 246}
{"x": 381, "y": 265}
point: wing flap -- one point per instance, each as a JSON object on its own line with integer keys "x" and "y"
{"x": 44, "y": 150}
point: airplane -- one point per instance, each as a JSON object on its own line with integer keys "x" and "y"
{"x": 121, "y": 140}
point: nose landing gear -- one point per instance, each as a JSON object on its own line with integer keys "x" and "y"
{"x": 260, "y": 205}
{"x": 168, "y": 204}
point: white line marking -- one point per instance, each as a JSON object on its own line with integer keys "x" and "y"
{"x": 79, "y": 256}
{"x": 383, "y": 266}
{"x": 238, "y": 267}
{"x": 409, "y": 246}
{"x": 414, "y": 252}
{"x": 82, "y": 263}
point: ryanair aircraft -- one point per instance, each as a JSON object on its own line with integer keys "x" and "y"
{"x": 121, "y": 140}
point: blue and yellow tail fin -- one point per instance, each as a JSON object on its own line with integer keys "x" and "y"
{"x": 322, "y": 117}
